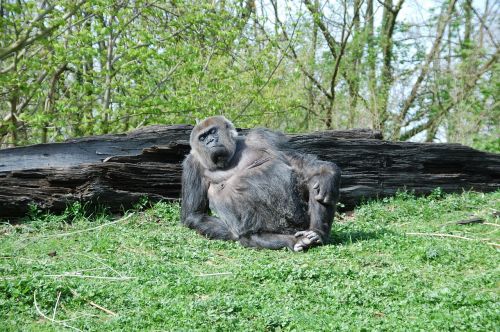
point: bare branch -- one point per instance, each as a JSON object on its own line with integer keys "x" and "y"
{"x": 331, "y": 42}
{"x": 295, "y": 57}
{"x": 483, "y": 24}
{"x": 445, "y": 18}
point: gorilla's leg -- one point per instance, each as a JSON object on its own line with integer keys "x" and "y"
{"x": 320, "y": 218}
{"x": 210, "y": 227}
{"x": 268, "y": 241}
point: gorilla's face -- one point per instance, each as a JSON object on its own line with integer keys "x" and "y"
{"x": 218, "y": 147}
{"x": 213, "y": 142}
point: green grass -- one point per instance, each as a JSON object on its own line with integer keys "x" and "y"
{"x": 373, "y": 276}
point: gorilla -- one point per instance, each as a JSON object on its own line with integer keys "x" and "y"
{"x": 254, "y": 190}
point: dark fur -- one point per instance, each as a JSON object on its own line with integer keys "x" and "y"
{"x": 260, "y": 193}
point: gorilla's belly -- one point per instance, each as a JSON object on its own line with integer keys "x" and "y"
{"x": 260, "y": 199}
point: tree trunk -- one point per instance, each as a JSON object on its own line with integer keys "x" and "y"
{"x": 371, "y": 62}
{"x": 312, "y": 66}
{"x": 116, "y": 171}
{"x": 352, "y": 76}
{"x": 466, "y": 44}
{"x": 386, "y": 40}
{"x": 108, "y": 80}
{"x": 49, "y": 101}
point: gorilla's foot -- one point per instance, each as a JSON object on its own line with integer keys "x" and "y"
{"x": 306, "y": 239}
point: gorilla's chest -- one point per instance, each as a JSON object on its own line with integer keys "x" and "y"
{"x": 260, "y": 191}
{"x": 257, "y": 179}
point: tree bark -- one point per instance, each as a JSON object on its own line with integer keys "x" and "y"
{"x": 389, "y": 17}
{"x": 108, "y": 80}
{"x": 312, "y": 64}
{"x": 371, "y": 62}
{"x": 116, "y": 171}
{"x": 50, "y": 100}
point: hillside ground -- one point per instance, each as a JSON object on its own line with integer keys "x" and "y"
{"x": 401, "y": 263}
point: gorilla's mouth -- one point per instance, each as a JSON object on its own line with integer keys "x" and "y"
{"x": 220, "y": 156}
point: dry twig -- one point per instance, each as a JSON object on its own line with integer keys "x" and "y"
{"x": 55, "y": 307}
{"x": 455, "y": 237}
{"x": 101, "y": 261}
{"x": 214, "y": 274}
{"x": 95, "y": 305}
{"x": 88, "y": 229}
{"x": 76, "y": 275}
{"x": 475, "y": 220}
{"x": 50, "y": 319}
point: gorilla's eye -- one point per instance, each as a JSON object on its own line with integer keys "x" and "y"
{"x": 202, "y": 138}
{"x": 212, "y": 131}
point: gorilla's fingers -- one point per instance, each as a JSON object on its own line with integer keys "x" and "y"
{"x": 298, "y": 248}
{"x": 309, "y": 237}
{"x": 313, "y": 237}
{"x": 300, "y": 233}
{"x": 302, "y": 244}
{"x": 305, "y": 241}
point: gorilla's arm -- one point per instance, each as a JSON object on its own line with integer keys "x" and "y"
{"x": 194, "y": 206}
{"x": 321, "y": 180}
{"x": 321, "y": 177}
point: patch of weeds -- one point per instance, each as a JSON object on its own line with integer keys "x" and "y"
{"x": 147, "y": 272}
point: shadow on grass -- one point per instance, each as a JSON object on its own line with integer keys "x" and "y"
{"x": 353, "y": 236}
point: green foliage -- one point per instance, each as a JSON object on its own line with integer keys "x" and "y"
{"x": 487, "y": 143}
{"x": 85, "y": 68}
{"x": 374, "y": 275}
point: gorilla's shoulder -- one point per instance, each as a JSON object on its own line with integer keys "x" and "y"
{"x": 191, "y": 161}
{"x": 264, "y": 136}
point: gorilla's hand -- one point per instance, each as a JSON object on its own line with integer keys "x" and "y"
{"x": 321, "y": 187}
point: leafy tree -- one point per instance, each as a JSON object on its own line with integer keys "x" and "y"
{"x": 74, "y": 68}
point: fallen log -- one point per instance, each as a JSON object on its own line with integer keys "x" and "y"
{"x": 116, "y": 171}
